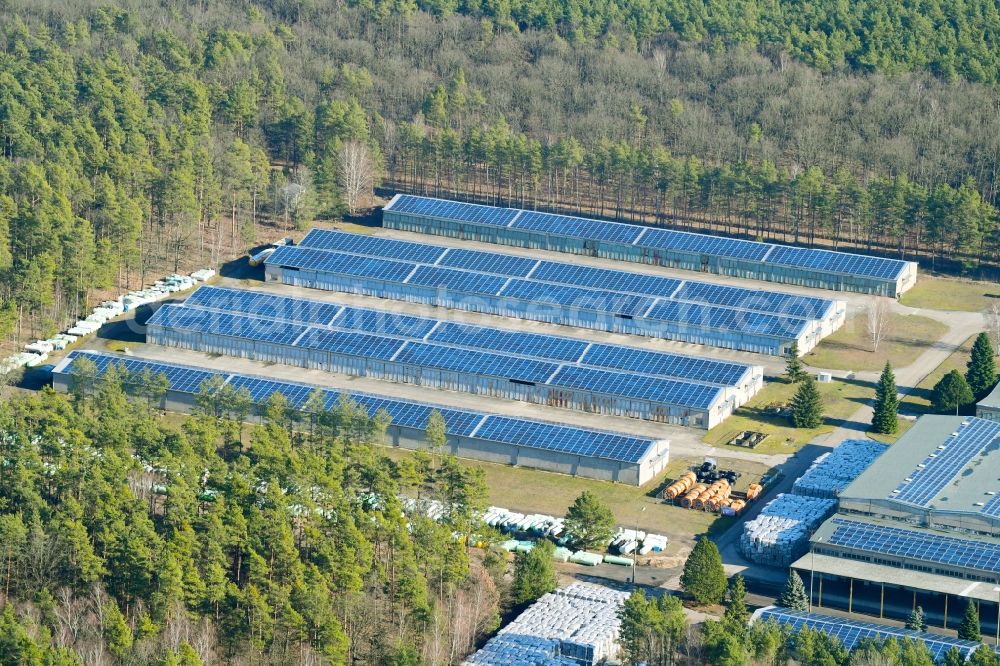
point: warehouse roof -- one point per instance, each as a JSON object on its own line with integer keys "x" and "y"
{"x": 992, "y": 401}
{"x": 942, "y": 464}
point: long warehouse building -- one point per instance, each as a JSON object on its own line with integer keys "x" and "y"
{"x": 920, "y": 526}
{"x": 822, "y": 269}
{"x": 549, "y": 370}
{"x": 595, "y": 454}
{"x": 567, "y": 294}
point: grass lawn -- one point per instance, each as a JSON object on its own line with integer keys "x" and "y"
{"x": 907, "y": 337}
{"x": 904, "y": 425}
{"x": 940, "y": 293}
{"x": 535, "y": 491}
{"x": 840, "y": 400}
{"x": 919, "y": 401}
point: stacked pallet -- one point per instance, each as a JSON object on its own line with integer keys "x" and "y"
{"x": 834, "y": 471}
{"x": 780, "y": 534}
{"x": 575, "y": 626}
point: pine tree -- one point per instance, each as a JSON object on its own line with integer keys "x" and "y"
{"x": 953, "y": 657}
{"x": 589, "y": 520}
{"x": 951, "y": 393}
{"x": 736, "y": 615}
{"x": 981, "y": 373}
{"x": 916, "y": 621}
{"x": 794, "y": 369}
{"x": 807, "y": 405}
{"x": 794, "y": 595}
{"x": 534, "y": 574}
{"x": 703, "y": 577}
{"x": 968, "y": 628}
{"x": 885, "y": 419}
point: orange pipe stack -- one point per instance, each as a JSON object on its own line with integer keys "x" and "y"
{"x": 680, "y": 486}
{"x": 692, "y": 494}
{"x": 737, "y": 506}
{"x": 753, "y": 491}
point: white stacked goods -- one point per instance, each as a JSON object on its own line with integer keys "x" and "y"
{"x": 36, "y": 360}
{"x": 39, "y": 347}
{"x": 834, "y": 471}
{"x": 586, "y": 559}
{"x": 653, "y": 542}
{"x": 19, "y": 360}
{"x": 61, "y": 341}
{"x": 203, "y": 275}
{"x": 780, "y": 534}
{"x": 575, "y": 626}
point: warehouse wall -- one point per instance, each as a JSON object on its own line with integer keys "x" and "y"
{"x": 670, "y": 259}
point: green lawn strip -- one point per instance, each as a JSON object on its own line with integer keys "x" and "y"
{"x": 939, "y": 293}
{"x": 904, "y": 425}
{"x": 919, "y": 400}
{"x": 840, "y": 400}
{"x": 849, "y": 348}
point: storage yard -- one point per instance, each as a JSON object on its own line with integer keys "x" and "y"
{"x": 597, "y": 370}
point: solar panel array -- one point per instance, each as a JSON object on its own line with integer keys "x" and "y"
{"x": 945, "y": 464}
{"x": 465, "y": 423}
{"x": 843, "y": 263}
{"x": 921, "y": 545}
{"x": 992, "y": 507}
{"x": 851, "y": 632}
{"x": 604, "y": 290}
{"x": 486, "y": 362}
{"x": 553, "y": 348}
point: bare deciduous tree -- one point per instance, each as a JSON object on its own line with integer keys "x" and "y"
{"x": 878, "y": 315}
{"x": 992, "y": 316}
{"x": 356, "y": 175}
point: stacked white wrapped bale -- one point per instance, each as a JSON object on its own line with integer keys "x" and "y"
{"x": 834, "y": 471}
{"x": 575, "y": 626}
{"x": 780, "y": 534}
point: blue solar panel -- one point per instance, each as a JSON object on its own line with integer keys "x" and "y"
{"x": 639, "y": 387}
{"x": 371, "y": 246}
{"x": 851, "y": 632}
{"x": 488, "y": 262}
{"x": 181, "y": 378}
{"x": 992, "y": 507}
{"x": 603, "y": 278}
{"x": 522, "y": 432}
{"x": 836, "y": 262}
{"x": 664, "y": 364}
{"x": 456, "y": 280}
{"x": 226, "y": 323}
{"x": 578, "y": 227}
{"x": 974, "y": 554}
{"x": 940, "y": 468}
{"x": 666, "y": 239}
{"x": 384, "y": 323}
{"x": 305, "y": 258}
{"x": 723, "y": 319}
{"x": 564, "y": 439}
{"x": 351, "y": 342}
{"x": 513, "y": 342}
{"x": 477, "y": 362}
{"x": 576, "y": 297}
{"x": 264, "y": 304}
{"x": 452, "y": 210}
{"x": 754, "y": 299}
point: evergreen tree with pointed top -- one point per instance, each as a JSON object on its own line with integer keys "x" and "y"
{"x": 885, "y": 419}
{"x": 807, "y": 405}
{"x": 968, "y": 628}
{"x": 736, "y": 615}
{"x": 794, "y": 596}
{"x": 794, "y": 369}
{"x": 981, "y": 371}
{"x": 703, "y": 577}
{"x": 916, "y": 621}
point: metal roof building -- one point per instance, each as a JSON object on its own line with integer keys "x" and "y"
{"x": 542, "y": 369}
{"x": 556, "y": 292}
{"x": 923, "y": 521}
{"x": 822, "y": 269}
{"x": 532, "y": 443}
{"x": 989, "y": 407}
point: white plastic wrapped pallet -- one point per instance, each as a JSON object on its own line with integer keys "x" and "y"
{"x": 834, "y": 471}
{"x": 780, "y": 534}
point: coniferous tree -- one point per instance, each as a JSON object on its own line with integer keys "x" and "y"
{"x": 703, "y": 576}
{"x": 953, "y": 657}
{"x": 807, "y": 405}
{"x": 969, "y": 628}
{"x": 916, "y": 620}
{"x": 981, "y": 371}
{"x": 984, "y": 656}
{"x": 736, "y": 615}
{"x": 589, "y": 520}
{"x": 794, "y": 594}
{"x": 885, "y": 417}
{"x": 794, "y": 369}
{"x": 951, "y": 393}
{"x": 534, "y": 574}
